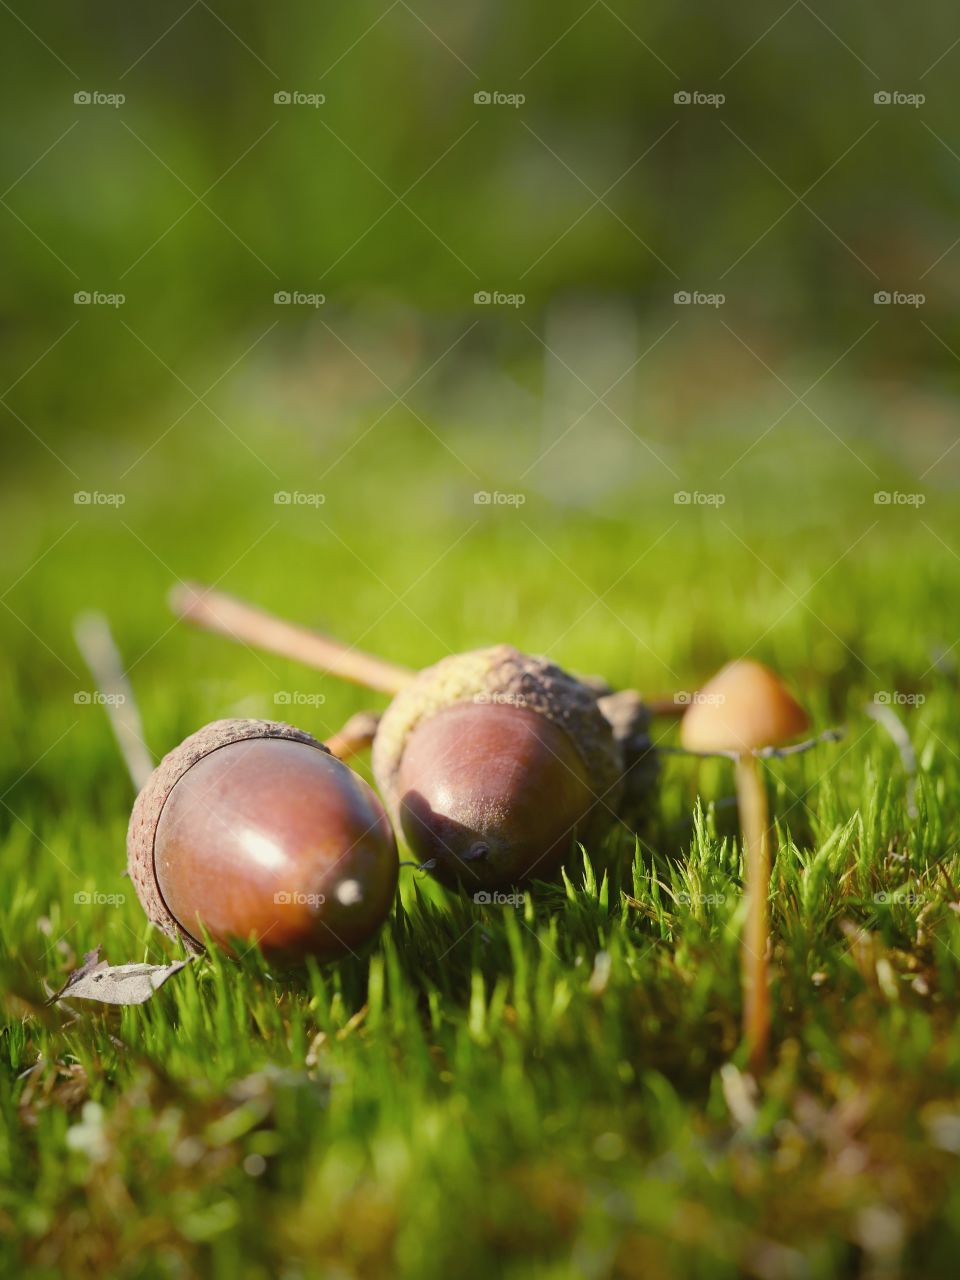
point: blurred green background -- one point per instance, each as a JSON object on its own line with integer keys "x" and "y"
{"x": 376, "y": 167}
{"x": 399, "y": 197}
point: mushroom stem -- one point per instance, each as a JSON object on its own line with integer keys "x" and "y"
{"x": 355, "y": 736}
{"x": 754, "y": 824}
{"x": 215, "y": 611}
{"x": 96, "y": 644}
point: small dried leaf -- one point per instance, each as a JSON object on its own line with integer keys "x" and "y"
{"x": 91, "y": 961}
{"x": 117, "y": 984}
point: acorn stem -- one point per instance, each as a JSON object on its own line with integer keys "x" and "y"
{"x": 216, "y": 611}
{"x": 98, "y": 648}
{"x": 664, "y": 704}
{"x": 355, "y": 736}
{"x": 754, "y": 826}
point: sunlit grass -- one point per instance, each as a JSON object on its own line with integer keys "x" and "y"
{"x": 553, "y": 1089}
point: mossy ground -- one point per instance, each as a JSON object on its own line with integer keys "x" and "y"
{"x": 547, "y": 1090}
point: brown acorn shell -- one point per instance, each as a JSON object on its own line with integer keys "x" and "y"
{"x": 149, "y": 804}
{"x": 502, "y": 674}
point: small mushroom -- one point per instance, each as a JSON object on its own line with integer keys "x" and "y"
{"x": 744, "y": 708}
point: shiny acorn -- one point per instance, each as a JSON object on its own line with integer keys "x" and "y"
{"x": 493, "y": 763}
{"x": 251, "y": 830}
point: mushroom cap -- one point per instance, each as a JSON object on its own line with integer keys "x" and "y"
{"x": 744, "y": 707}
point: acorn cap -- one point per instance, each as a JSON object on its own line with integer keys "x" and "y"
{"x": 629, "y": 718}
{"x": 502, "y": 674}
{"x": 744, "y": 707}
{"x": 149, "y": 804}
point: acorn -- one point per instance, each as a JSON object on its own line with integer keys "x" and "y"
{"x": 492, "y": 763}
{"x": 253, "y": 831}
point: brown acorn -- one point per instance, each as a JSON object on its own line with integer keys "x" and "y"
{"x": 251, "y": 830}
{"x": 493, "y": 763}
